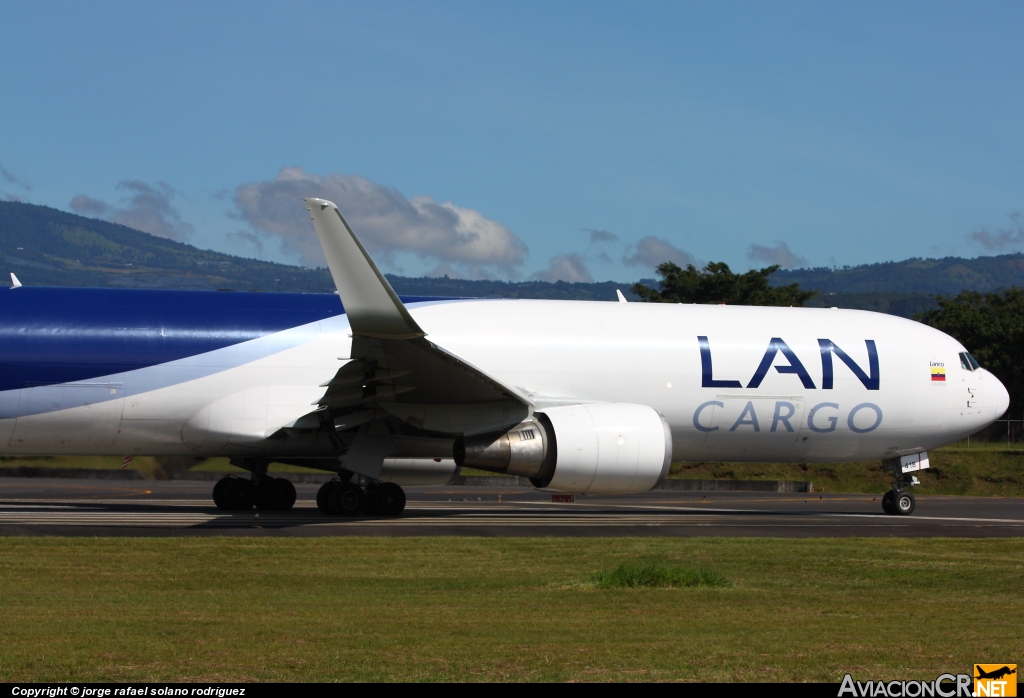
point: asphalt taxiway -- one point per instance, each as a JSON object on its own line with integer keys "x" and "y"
{"x": 40, "y": 506}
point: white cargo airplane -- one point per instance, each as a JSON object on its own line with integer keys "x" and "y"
{"x": 583, "y": 397}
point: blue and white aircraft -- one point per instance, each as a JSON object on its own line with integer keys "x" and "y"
{"x": 584, "y": 397}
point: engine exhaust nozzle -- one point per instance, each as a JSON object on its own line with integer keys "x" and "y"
{"x": 523, "y": 450}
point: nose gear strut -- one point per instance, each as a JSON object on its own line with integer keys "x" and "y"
{"x": 899, "y": 501}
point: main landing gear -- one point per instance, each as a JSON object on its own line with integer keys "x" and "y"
{"x": 269, "y": 494}
{"x": 898, "y": 501}
{"x": 337, "y": 498}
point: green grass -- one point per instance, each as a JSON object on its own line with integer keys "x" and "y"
{"x": 264, "y": 609}
{"x": 654, "y": 574}
{"x": 985, "y": 471}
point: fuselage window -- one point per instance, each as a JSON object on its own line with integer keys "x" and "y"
{"x": 965, "y": 363}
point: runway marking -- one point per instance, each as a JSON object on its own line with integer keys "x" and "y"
{"x": 463, "y": 513}
{"x": 64, "y": 517}
{"x": 913, "y": 517}
{"x": 776, "y": 512}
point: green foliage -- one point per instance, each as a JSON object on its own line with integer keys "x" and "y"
{"x": 637, "y": 574}
{"x": 716, "y": 283}
{"x": 946, "y": 276}
{"x": 488, "y": 288}
{"x": 894, "y": 303}
{"x": 991, "y": 326}
{"x": 986, "y": 469}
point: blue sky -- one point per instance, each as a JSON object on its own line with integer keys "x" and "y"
{"x": 528, "y": 140}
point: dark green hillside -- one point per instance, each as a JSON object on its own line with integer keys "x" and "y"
{"x": 47, "y": 247}
{"x": 948, "y": 276}
{"x": 902, "y": 304}
{"x": 463, "y": 288}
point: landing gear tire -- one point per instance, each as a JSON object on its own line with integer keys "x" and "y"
{"x": 274, "y": 494}
{"x": 218, "y": 493}
{"x": 904, "y": 503}
{"x": 285, "y": 494}
{"x": 387, "y": 499}
{"x": 337, "y": 498}
{"x": 347, "y": 499}
{"x": 235, "y": 494}
{"x": 887, "y": 502}
{"x": 323, "y": 496}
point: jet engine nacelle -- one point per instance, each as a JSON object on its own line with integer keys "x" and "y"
{"x": 599, "y": 449}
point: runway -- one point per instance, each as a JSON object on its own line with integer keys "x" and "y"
{"x": 38, "y": 506}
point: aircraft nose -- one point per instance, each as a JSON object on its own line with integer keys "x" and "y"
{"x": 1002, "y": 397}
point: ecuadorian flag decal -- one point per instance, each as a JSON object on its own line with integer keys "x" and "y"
{"x": 938, "y": 372}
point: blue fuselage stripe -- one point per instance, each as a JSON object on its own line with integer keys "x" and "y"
{"x": 61, "y": 335}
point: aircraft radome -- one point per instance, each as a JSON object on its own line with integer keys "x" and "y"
{"x": 583, "y": 397}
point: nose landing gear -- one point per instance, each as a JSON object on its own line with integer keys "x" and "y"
{"x": 337, "y": 498}
{"x": 899, "y": 501}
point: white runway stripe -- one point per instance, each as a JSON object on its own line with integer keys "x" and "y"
{"x": 184, "y": 519}
{"x": 183, "y": 513}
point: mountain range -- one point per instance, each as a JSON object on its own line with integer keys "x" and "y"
{"x": 48, "y": 247}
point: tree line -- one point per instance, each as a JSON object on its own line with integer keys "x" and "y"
{"x": 989, "y": 325}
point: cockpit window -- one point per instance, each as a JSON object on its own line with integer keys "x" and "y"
{"x": 968, "y": 362}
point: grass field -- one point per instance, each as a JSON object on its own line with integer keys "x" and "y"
{"x": 204, "y": 609}
{"x": 986, "y": 471}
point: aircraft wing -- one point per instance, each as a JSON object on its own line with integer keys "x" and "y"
{"x": 394, "y": 366}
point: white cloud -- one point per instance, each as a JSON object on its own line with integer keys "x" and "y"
{"x": 599, "y": 236}
{"x": 148, "y": 208}
{"x": 651, "y": 251}
{"x": 442, "y": 270}
{"x": 567, "y": 267}
{"x": 1000, "y": 240}
{"x": 247, "y": 237}
{"x": 779, "y": 254}
{"x": 87, "y": 206}
{"x": 12, "y": 178}
{"x": 385, "y": 221}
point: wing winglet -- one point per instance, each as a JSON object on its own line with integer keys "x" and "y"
{"x": 372, "y": 306}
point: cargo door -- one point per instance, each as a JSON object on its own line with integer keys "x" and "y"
{"x": 68, "y": 417}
